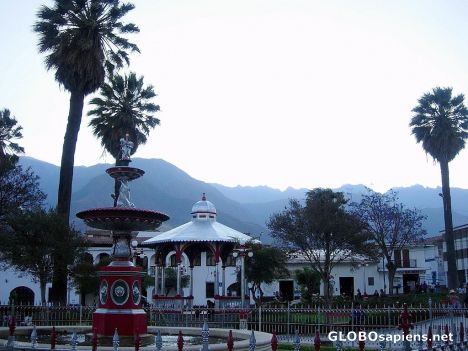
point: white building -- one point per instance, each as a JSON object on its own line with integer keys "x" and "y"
{"x": 213, "y": 270}
{"x": 460, "y": 234}
{"x": 416, "y": 264}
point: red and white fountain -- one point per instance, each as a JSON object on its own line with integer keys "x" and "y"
{"x": 120, "y": 282}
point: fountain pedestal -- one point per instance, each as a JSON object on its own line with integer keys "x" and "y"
{"x": 120, "y": 282}
{"x": 120, "y": 301}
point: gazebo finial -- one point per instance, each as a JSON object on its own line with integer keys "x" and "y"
{"x": 203, "y": 197}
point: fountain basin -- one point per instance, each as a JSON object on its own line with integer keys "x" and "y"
{"x": 122, "y": 218}
{"x": 125, "y": 173}
{"x": 241, "y": 338}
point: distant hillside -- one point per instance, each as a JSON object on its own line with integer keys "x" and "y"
{"x": 168, "y": 189}
{"x": 164, "y": 188}
{"x": 258, "y": 194}
{"x": 417, "y": 196}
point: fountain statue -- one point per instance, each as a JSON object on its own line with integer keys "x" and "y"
{"x": 120, "y": 281}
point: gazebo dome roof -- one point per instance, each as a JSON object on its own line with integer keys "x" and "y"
{"x": 203, "y": 206}
{"x": 202, "y": 228}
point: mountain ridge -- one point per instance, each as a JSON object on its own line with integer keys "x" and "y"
{"x": 169, "y": 189}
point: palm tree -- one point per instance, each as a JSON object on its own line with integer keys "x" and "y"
{"x": 440, "y": 123}
{"x": 9, "y": 131}
{"x": 124, "y": 108}
{"x": 81, "y": 39}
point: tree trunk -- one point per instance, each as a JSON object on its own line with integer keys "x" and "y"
{"x": 391, "y": 275}
{"x": 452, "y": 275}
{"x": 42, "y": 285}
{"x": 59, "y": 281}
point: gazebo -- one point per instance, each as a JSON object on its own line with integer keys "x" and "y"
{"x": 204, "y": 249}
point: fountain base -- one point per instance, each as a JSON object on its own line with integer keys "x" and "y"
{"x": 128, "y": 322}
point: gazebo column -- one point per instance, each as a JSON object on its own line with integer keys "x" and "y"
{"x": 163, "y": 280}
{"x": 156, "y": 281}
{"x": 224, "y": 281}
{"x": 217, "y": 256}
{"x": 216, "y": 280}
{"x": 178, "y": 279}
{"x": 178, "y": 264}
{"x": 191, "y": 281}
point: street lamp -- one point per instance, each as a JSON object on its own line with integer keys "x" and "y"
{"x": 241, "y": 252}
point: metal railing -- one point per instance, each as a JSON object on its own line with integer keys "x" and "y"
{"x": 279, "y": 319}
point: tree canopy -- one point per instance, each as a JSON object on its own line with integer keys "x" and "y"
{"x": 309, "y": 281}
{"x": 81, "y": 37}
{"x": 9, "y": 132}
{"x": 35, "y": 242}
{"x": 390, "y": 224}
{"x": 267, "y": 264}
{"x": 440, "y": 123}
{"x": 125, "y": 106}
{"x": 19, "y": 190}
{"x": 322, "y": 232}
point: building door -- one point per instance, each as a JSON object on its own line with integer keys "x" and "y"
{"x": 347, "y": 286}
{"x": 286, "y": 290}
{"x": 22, "y": 296}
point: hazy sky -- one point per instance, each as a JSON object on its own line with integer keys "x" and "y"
{"x": 279, "y": 93}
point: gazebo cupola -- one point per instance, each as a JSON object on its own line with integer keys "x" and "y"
{"x": 203, "y": 210}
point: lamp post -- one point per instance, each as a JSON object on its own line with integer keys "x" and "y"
{"x": 241, "y": 252}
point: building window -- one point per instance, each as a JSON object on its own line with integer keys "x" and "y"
{"x": 370, "y": 281}
{"x": 209, "y": 290}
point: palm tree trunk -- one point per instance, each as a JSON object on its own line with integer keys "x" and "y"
{"x": 59, "y": 280}
{"x": 452, "y": 275}
{"x": 68, "y": 154}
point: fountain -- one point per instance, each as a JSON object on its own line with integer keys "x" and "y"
{"x": 119, "y": 308}
{"x": 120, "y": 281}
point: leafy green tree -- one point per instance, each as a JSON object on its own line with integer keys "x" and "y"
{"x": 392, "y": 226}
{"x": 35, "y": 242}
{"x": 321, "y": 232}
{"x": 440, "y": 124}
{"x": 85, "y": 277}
{"x": 9, "y": 131}
{"x": 309, "y": 281}
{"x": 19, "y": 190}
{"x": 267, "y": 264}
{"x": 124, "y": 107}
{"x": 80, "y": 38}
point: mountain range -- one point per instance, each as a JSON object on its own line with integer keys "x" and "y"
{"x": 168, "y": 189}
